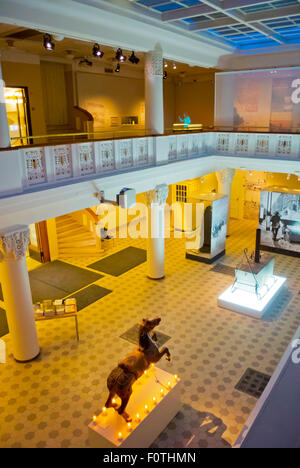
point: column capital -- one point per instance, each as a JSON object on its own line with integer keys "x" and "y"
{"x": 225, "y": 175}
{"x": 154, "y": 62}
{"x": 158, "y": 195}
{"x": 14, "y": 242}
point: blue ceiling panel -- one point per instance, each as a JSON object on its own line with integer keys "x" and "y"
{"x": 168, "y": 7}
{"x": 241, "y": 35}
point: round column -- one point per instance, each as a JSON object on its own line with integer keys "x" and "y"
{"x": 225, "y": 178}
{"x": 4, "y": 129}
{"x": 154, "y": 100}
{"x": 156, "y": 200}
{"x": 17, "y": 293}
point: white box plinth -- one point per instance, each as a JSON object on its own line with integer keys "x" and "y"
{"x": 104, "y": 432}
{"x": 247, "y": 303}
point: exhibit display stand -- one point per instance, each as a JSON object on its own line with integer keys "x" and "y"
{"x": 153, "y": 404}
{"x": 255, "y": 287}
{"x": 214, "y": 228}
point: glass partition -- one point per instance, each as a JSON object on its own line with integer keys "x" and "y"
{"x": 258, "y": 100}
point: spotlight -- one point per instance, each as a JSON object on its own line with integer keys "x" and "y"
{"x": 166, "y": 65}
{"x": 165, "y": 75}
{"x": 133, "y": 58}
{"x": 48, "y": 43}
{"x": 97, "y": 52}
{"x": 117, "y": 69}
{"x": 119, "y": 56}
{"x": 174, "y": 66}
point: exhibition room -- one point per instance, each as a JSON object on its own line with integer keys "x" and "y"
{"x": 149, "y": 193}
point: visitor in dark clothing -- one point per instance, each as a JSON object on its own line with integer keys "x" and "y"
{"x": 275, "y": 221}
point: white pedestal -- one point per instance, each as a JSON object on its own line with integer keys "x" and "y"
{"x": 247, "y": 303}
{"x": 104, "y": 431}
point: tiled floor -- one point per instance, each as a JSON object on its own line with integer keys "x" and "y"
{"x": 49, "y": 402}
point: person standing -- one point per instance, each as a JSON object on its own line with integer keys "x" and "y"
{"x": 275, "y": 221}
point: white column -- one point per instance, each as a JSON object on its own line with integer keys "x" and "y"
{"x": 4, "y": 130}
{"x": 156, "y": 200}
{"x": 17, "y": 293}
{"x": 225, "y": 178}
{"x": 154, "y": 100}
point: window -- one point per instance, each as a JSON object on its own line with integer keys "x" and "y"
{"x": 181, "y": 193}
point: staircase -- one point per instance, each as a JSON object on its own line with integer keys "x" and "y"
{"x": 74, "y": 239}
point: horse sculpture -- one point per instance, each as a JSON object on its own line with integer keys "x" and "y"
{"x": 121, "y": 379}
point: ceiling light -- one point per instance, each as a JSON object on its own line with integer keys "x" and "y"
{"x": 133, "y": 58}
{"x": 117, "y": 69}
{"x": 165, "y": 75}
{"x": 48, "y": 43}
{"x": 97, "y": 52}
{"x": 119, "y": 56}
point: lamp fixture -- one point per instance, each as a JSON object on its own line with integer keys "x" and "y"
{"x": 97, "y": 52}
{"x": 119, "y": 56}
{"x": 117, "y": 69}
{"x": 133, "y": 58}
{"x": 166, "y": 65}
{"x": 174, "y": 66}
{"x": 165, "y": 75}
{"x": 47, "y": 42}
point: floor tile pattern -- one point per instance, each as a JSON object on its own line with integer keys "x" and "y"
{"x": 49, "y": 402}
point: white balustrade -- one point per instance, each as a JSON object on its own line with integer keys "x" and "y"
{"x": 28, "y": 168}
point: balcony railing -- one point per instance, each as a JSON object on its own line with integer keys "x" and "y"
{"x": 25, "y": 168}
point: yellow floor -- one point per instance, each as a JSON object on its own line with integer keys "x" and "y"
{"x": 49, "y": 402}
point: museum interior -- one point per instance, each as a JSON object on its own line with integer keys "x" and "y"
{"x": 149, "y": 192}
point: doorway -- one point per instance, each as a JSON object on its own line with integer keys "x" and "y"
{"x": 18, "y": 115}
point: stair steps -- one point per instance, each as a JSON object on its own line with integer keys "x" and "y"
{"x": 75, "y": 240}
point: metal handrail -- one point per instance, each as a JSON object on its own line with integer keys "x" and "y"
{"x": 131, "y": 133}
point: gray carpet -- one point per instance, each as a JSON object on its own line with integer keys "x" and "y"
{"x": 64, "y": 276}
{"x": 132, "y": 335}
{"x": 224, "y": 269}
{"x": 55, "y": 280}
{"x": 3, "y": 323}
{"x": 120, "y": 262}
{"x": 89, "y": 295}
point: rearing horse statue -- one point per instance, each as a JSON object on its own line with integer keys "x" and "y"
{"x": 121, "y": 379}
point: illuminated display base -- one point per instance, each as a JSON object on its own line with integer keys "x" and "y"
{"x": 109, "y": 429}
{"x": 247, "y": 303}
